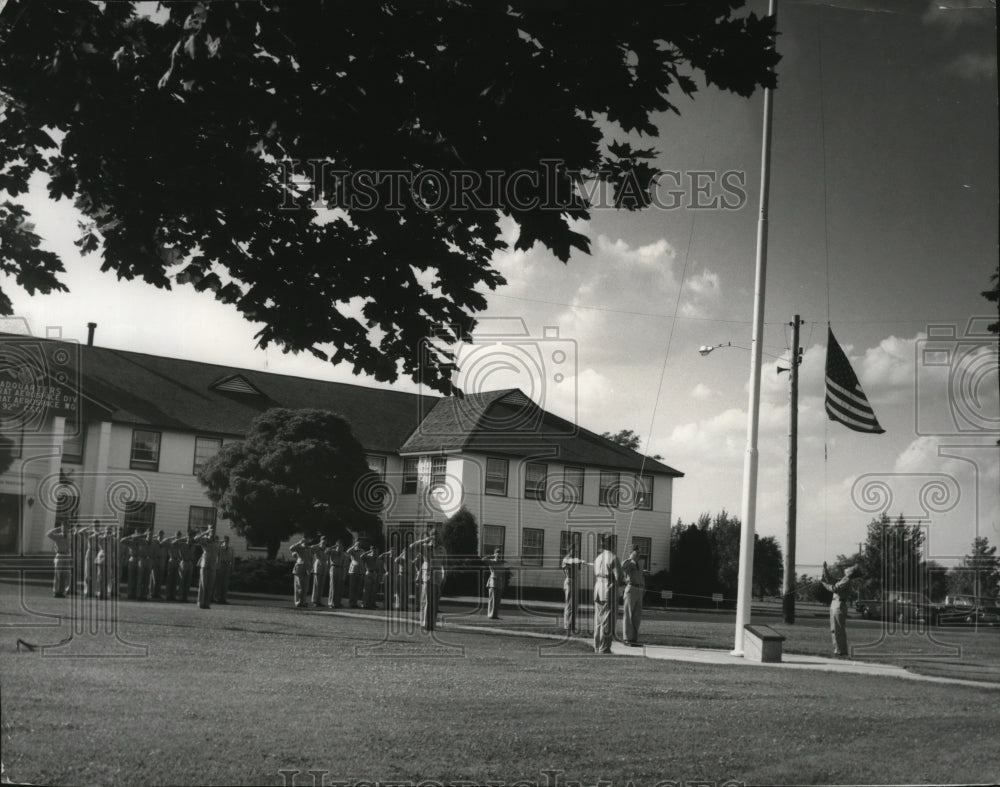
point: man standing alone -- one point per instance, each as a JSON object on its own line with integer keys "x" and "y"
{"x": 208, "y": 564}
{"x": 841, "y": 590}
{"x": 634, "y": 589}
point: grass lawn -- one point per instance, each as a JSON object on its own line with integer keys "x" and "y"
{"x": 239, "y": 693}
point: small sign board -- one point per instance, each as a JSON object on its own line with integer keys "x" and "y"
{"x": 717, "y": 598}
{"x": 666, "y": 595}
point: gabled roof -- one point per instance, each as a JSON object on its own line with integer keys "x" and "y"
{"x": 190, "y": 396}
{"x": 169, "y": 393}
{"x": 508, "y": 422}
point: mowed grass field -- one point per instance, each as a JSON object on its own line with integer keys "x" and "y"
{"x": 237, "y": 694}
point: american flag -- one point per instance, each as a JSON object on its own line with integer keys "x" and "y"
{"x": 845, "y": 401}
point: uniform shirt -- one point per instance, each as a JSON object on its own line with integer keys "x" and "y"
{"x": 497, "y": 570}
{"x": 633, "y": 574}
{"x": 209, "y": 552}
{"x": 320, "y": 562}
{"x": 841, "y": 591}
{"x": 354, "y": 553}
{"x": 225, "y": 555}
{"x": 571, "y": 567}
{"x": 185, "y": 550}
{"x": 62, "y": 542}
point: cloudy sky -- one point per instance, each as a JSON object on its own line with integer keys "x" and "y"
{"x": 883, "y": 222}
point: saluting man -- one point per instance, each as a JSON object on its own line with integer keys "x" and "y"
{"x": 185, "y": 549}
{"x": 132, "y": 567}
{"x": 209, "y": 565}
{"x": 226, "y": 560}
{"x": 841, "y": 590}
{"x": 337, "y": 559}
{"x": 371, "y": 564}
{"x": 63, "y": 564}
{"x": 157, "y": 554}
{"x": 635, "y": 585}
{"x": 320, "y": 570}
{"x": 607, "y": 573}
{"x": 355, "y": 573}
{"x": 495, "y": 584}
{"x": 173, "y": 565}
{"x": 300, "y": 571}
{"x": 571, "y": 588}
{"x": 432, "y": 571}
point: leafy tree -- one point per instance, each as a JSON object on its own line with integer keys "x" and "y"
{"x": 936, "y": 579}
{"x": 626, "y": 438}
{"x": 892, "y": 558}
{"x": 7, "y": 446}
{"x": 724, "y": 536}
{"x": 979, "y": 574}
{"x": 297, "y": 471}
{"x": 768, "y": 568}
{"x": 691, "y": 565}
{"x": 248, "y": 149}
{"x": 460, "y": 536}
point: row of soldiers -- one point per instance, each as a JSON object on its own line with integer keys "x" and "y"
{"x": 326, "y": 572}
{"x": 147, "y": 563}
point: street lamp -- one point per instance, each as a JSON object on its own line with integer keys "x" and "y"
{"x": 705, "y": 349}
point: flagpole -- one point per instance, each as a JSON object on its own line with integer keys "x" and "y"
{"x": 749, "y": 504}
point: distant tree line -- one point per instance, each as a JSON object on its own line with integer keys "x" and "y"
{"x": 704, "y": 560}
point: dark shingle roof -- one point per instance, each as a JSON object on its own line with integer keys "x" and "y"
{"x": 190, "y": 396}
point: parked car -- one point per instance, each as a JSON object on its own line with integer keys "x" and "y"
{"x": 966, "y": 610}
{"x": 902, "y": 606}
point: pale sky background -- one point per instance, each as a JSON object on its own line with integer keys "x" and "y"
{"x": 883, "y": 221}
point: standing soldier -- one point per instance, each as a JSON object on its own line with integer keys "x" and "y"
{"x": 403, "y": 581}
{"x": 607, "y": 572}
{"x": 495, "y": 584}
{"x": 157, "y": 556}
{"x": 226, "y": 560}
{"x": 387, "y": 573}
{"x": 300, "y": 572}
{"x": 371, "y": 564}
{"x": 335, "y": 555}
{"x": 431, "y": 559}
{"x": 63, "y": 580}
{"x": 144, "y": 551}
{"x": 634, "y": 589}
{"x": 172, "y": 574}
{"x": 92, "y": 538}
{"x": 209, "y": 565}
{"x": 571, "y": 588}
{"x": 320, "y": 569}
{"x": 132, "y": 566}
{"x": 841, "y": 590}
{"x": 186, "y": 550}
{"x": 99, "y": 579}
{"x": 355, "y": 572}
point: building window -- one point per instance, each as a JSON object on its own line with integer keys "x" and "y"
{"x": 204, "y": 449}
{"x": 493, "y": 538}
{"x": 496, "y": 476}
{"x": 572, "y": 485}
{"x": 201, "y": 518}
{"x": 138, "y": 516}
{"x": 256, "y": 545}
{"x": 439, "y": 468}
{"x": 644, "y": 492}
{"x": 567, "y": 537}
{"x": 608, "y": 494}
{"x": 643, "y": 546}
{"x": 73, "y": 436}
{"x": 377, "y": 465}
{"x": 145, "y": 450}
{"x": 13, "y": 431}
{"x": 532, "y": 546}
{"x": 534, "y": 480}
{"x": 411, "y": 467}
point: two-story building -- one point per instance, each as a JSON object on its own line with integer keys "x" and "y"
{"x": 118, "y": 437}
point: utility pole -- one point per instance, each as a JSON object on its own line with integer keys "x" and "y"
{"x": 789, "y": 578}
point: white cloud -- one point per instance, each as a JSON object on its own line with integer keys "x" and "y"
{"x": 702, "y": 391}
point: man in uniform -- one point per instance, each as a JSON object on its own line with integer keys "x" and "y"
{"x": 92, "y": 538}
{"x": 209, "y": 565}
{"x": 607, "y": 573}
{"x": 372, "y": 566}
{"x": 841, "y": 590}
{"x": 300, "y": 572}
{"x": 320, "y": 570}
{"x": 430, "y": 556}
{"x": 336, "y": 558}
{"x": 635, "y": 587}
{"x": 157, "y": 558}
{"x": 226, "y": 560}
{"x": 186, "y": 551}
{"x": 355, "y": 572}
{"x": 131, "y": 543}
{"x": 172, "y": 575}
{"x": 495, "y": 584}
{"x": 63, "y": 580}
{"x": 571, "y": 588}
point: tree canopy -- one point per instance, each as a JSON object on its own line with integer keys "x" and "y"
{"x": 297, "y": 471}
{"x": 251, "y": 149}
